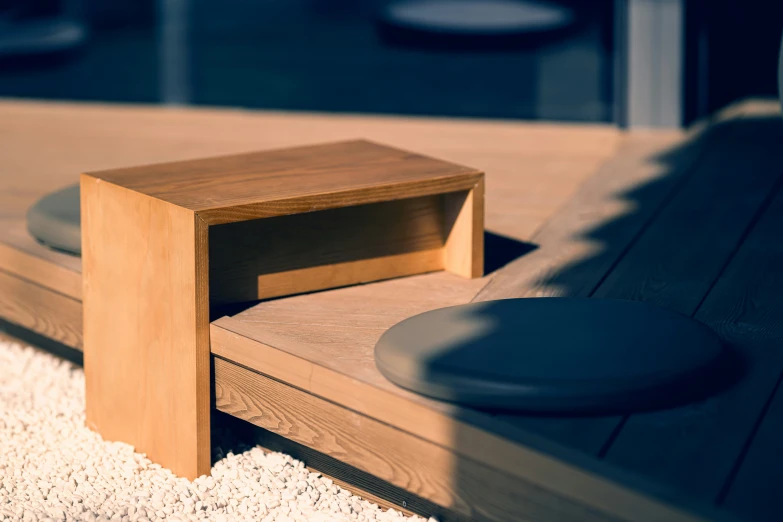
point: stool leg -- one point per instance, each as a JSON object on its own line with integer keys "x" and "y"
{"x": 146, "y": 325}
{"x": 463, "y": 252}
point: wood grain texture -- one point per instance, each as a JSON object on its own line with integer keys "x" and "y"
{"x": 265, "y": 184}
{"x": 339, "y": 328}
{"x": 146, "y": 339}
{"x": 468, "y": 433}
{"x": 534, "y": 167}
{"x": 21, "y": 255}
{"x": 566, "y": 240}
{"x": 697, "y": 447}
{"x": 287, "y": 255}
{"x": 235, "y": 432}
{"x": 427, "y": 470}
{"x": 719, "y": 210}
{"x": 41, "y": 310}
{"x": 677, "y": 257}
{"x": 463, "y": 252}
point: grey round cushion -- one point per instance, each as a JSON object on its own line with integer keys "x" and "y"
{"x": 553, "y": 355}
{"x": 478, "y": 16}
{"x": 55, "y": 220}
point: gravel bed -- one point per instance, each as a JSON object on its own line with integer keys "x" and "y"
{"x": 53, "y": 468}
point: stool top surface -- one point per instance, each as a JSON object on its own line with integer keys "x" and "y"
{"x": 295, "y": 180}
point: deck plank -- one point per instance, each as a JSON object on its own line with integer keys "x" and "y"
{"x": 693, "y": 448}
{"x": 532, "y": 168}
{"x": 41, "y": 310}
{"x": 425, "y": 469}
{"x": 676, "y": 260}
{"x": 755, "y": 492}
{"x": 572, "y": 259}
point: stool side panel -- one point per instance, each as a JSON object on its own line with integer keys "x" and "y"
{"x": 146, "y": 345}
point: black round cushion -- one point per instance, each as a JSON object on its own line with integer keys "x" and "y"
{"x": 471, "y": 23}
{"x": 553, "y": 355}
{"x": 55, "y": 220}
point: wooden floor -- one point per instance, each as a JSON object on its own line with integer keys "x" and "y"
{"x": 691, "y": 222}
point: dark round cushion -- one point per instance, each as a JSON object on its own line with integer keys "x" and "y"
{"x": 55, "y": 220}
{"x": 471, "y": 23}
{"x": 553, "y": 355}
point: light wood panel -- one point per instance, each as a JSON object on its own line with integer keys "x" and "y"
{"x": 465, "y": 432}
{"x": 427, "y": 470}
{"x": 534, "y": 167}
{"x": 21, "y": 255}
{"x": 41, "y": 310}
{"x": 287, "y": 255}
{"x": 463, "y": 252}
{"x": 146, "y": 316}
{"x": 240, "y": 433}
{"x": 568, "y": 242}
{"x": 674, "y": 260}
{"x": 675, "y": 264}
{"x": 295, "y": 180}
{"x": 698, "y": 447}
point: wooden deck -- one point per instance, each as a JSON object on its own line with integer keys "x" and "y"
{"x": 690, "y": 221}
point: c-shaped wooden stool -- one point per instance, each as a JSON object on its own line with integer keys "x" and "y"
{"x": 163, "y": 244}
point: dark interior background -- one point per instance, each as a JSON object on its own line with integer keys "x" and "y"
{"x": 325, "y": 55}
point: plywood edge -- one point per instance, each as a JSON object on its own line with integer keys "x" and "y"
{"x": 575, "y": 476}
{"x": 203, "y": 360}
{"x": 348, "y": 198}
{"x": 425, "y": 469}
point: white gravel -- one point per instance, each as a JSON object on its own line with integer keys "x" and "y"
{"x": 53, "y": 468}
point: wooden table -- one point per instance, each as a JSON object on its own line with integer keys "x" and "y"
{"x": 688, "y": 221}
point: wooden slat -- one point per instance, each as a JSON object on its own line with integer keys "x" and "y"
{"x": 231, "y": 433}
{"x": 463, "y": 251}
{"x": 693, "y": 448}
{"x": 678, "y": 257}
{"x": 34, "y": 307}
{"x": 567, "y": 240}
{"x": 534, "y": 167}
{"x": 571, "y": 261}
{"x": 287, "y": 255}
{"x": 21, "y": 255}
{"x": 429, "y": 471}
{"x": 227, "y": 189}
{"x": 146, "y": 325}
{"x": 465, "y": 432}
{"x": 696, "y": 447}
{"x": 755, "y": 493}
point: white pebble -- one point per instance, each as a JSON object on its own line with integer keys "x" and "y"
{"x": 52, "y": 468}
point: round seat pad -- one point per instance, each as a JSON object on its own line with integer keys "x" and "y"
{"x": 552, "y": 354}
{"x": 477, "y": 17}
{"x": 55, "y": 220}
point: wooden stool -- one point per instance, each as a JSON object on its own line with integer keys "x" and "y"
{"x": 163, "y": 243}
